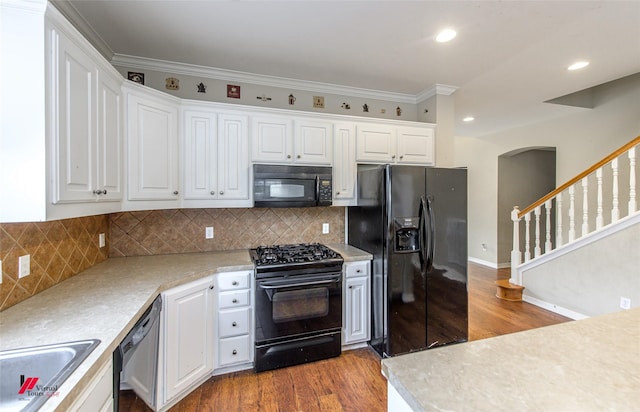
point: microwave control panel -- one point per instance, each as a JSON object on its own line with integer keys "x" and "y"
{"x": 325, "y": 192}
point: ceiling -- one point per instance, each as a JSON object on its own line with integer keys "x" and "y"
{"x": 507, "y": 59}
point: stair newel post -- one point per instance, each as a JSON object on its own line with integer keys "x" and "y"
{"x": 515, "y": 252}
{"x": 632, "y": 180}
{"x": 559, "y": 220}
{"x": 599, "y": 218}
{"x": 615, "y": 211}
{"x": 572, "y": 212}
{"x": 585, "y": 206}
{"x": 527, "y": 237}
{"x": 547, "y": 244}
{"x": 537, "y": 250}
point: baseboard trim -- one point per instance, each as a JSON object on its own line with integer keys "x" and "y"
{"x": 483, "y": 262}
{"x": 554, "y": 308}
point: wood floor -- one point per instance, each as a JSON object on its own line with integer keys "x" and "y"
{"x": 351, "y": 382}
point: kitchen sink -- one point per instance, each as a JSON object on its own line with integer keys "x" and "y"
{"x": 30, "y": 376}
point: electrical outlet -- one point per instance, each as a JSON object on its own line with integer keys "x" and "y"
{"x": 24, "y": 266}
{"x": 101, "y": 240}
{"x": 208, "y": 232}
{"x": 625, "y": 303}
{"x": 325, "y": 228}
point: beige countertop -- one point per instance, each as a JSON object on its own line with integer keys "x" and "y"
{"x": 106, "y": 300}
{"x": 586, "y": 365}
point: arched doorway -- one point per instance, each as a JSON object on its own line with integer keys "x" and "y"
{"x": 524, "y": 176}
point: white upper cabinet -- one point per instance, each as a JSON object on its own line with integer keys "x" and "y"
{"x": 344, "y": 165}
{"x": 415, "y": 145}
{"x": 152, "y": 143}
{"x": 274, "y": 140}
{"x": 313, "y": 142}
{"x": 85, "y": 112}
{"x": 216, "y": 157}
{"x": 380, "y": 143}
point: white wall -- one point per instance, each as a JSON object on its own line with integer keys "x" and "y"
{"x": 581, "y": 138}
{"x": 590, "y": 280}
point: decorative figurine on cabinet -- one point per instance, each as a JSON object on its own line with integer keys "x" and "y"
{"x": 202, "y": 88}
{"x": 292, "y": 99}
{"x": 398, "y": 111}
{"x": 365, "y": 108}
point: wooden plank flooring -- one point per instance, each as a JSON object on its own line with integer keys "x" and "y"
{"x": 353, "y": 381}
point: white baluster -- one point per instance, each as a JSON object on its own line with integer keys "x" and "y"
{"x": 537, "y": 251}
{"x": 572, "y": 211}
{"x": 547, "y": 243}
{"x": 585, "y": 206}
{"x": 599, "y": 218}
{"x": 515, "y": 252}
{"x": 615, "y": 211}
{"x": 527, "y": 237}
{"x": 633, "y": 206}
{"x": 559, "y": 220}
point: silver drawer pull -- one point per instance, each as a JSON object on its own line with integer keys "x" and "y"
{"x": 235, "y": 352}
{"x": 234, "y": 301}
{"x": 234, "y": 283}
{"x": 234, "y": 324}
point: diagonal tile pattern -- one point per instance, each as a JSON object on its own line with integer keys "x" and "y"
{"x": 183, "y": 230}
{"x": 59, "y": 249}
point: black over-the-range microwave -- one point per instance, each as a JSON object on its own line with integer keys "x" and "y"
{"x": 291, "y": 186}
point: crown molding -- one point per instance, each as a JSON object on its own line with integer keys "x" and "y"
{"x": 145, "y": 63}
{"x": 69, "y": 11}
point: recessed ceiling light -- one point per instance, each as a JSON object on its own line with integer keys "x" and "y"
{"x": 578, "y": 65}
{"x": 469, "y": 119}
{"x": 445, "y": 35}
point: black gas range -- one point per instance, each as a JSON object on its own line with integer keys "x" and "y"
{"x": 298, "y": 300}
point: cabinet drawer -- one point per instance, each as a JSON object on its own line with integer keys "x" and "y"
{"x": 234, "y": 322}
{"x": 234, "y": 350}
{"x": 355, "y": 269}
{"x": 234, "y": 280}
{"x": 233, "y": 299}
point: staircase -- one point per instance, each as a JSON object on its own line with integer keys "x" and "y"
{"x": 594, "y": 205}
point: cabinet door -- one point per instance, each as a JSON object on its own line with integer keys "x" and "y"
{"x": 233, "y": 157}
{"x": 188, "y": 335}
{"x": 356, "y": 325}
{"x": 313, "y": 142}
{"x": 415, "y": 145}
{"x": 72, "y": 120}
{"x": 200, "y": 153}
{"x": 376, "y": 143}
{"x": 153, "y": 148}
{"x": 272, "y": 140}
{"x": 109, "y": 138}
{"x": 344, "y": 165}
{"x": 98, "y": 396}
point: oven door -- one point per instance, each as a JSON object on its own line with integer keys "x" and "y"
{"x": 297, "y": 306}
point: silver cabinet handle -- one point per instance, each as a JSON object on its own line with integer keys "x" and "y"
{"x": 175, "y": 192}
{"x": 288, "y": 156}
{"x": 358, "y": 270}
{"x": 99, "y": 192}
{"x": 235, "y": 352}
{"x": 213, "y": 192}
{"x": 222, "y": 192}
{"x": 393, "y": 156}
{"x": 234, "y": 283}
{"x": 234, "y": 301}
{"x": 299, "y": 156}
{"x": 234, "y": 324}
{"x": 350, "y": 287}
{"x": 211, "y": 287}
{"x": 337, "y": 193}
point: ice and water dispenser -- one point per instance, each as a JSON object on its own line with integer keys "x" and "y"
{"x": 407, "y": 234}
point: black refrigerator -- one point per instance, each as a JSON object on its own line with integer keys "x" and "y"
{"x": 413, "y": 220}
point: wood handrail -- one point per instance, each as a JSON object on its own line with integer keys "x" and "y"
{"x": 580, "y": 176}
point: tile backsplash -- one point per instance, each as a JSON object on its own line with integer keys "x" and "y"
{"x": 58, "y": 250}
{"x": 62, "y": 248}
{"x": 183, "y": 230}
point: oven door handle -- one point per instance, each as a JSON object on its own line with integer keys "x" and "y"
{"x": 282, "y": 285}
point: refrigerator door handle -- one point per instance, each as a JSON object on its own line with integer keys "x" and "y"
{"x": 429, "y": 241}
{"x": 422, "y": 224}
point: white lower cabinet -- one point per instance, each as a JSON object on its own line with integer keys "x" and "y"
{"x": 356, "y": 303}
{"x": 233, "y": 335}
{"x": 186, "y": 348}
{"x": 98, "y": 396}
